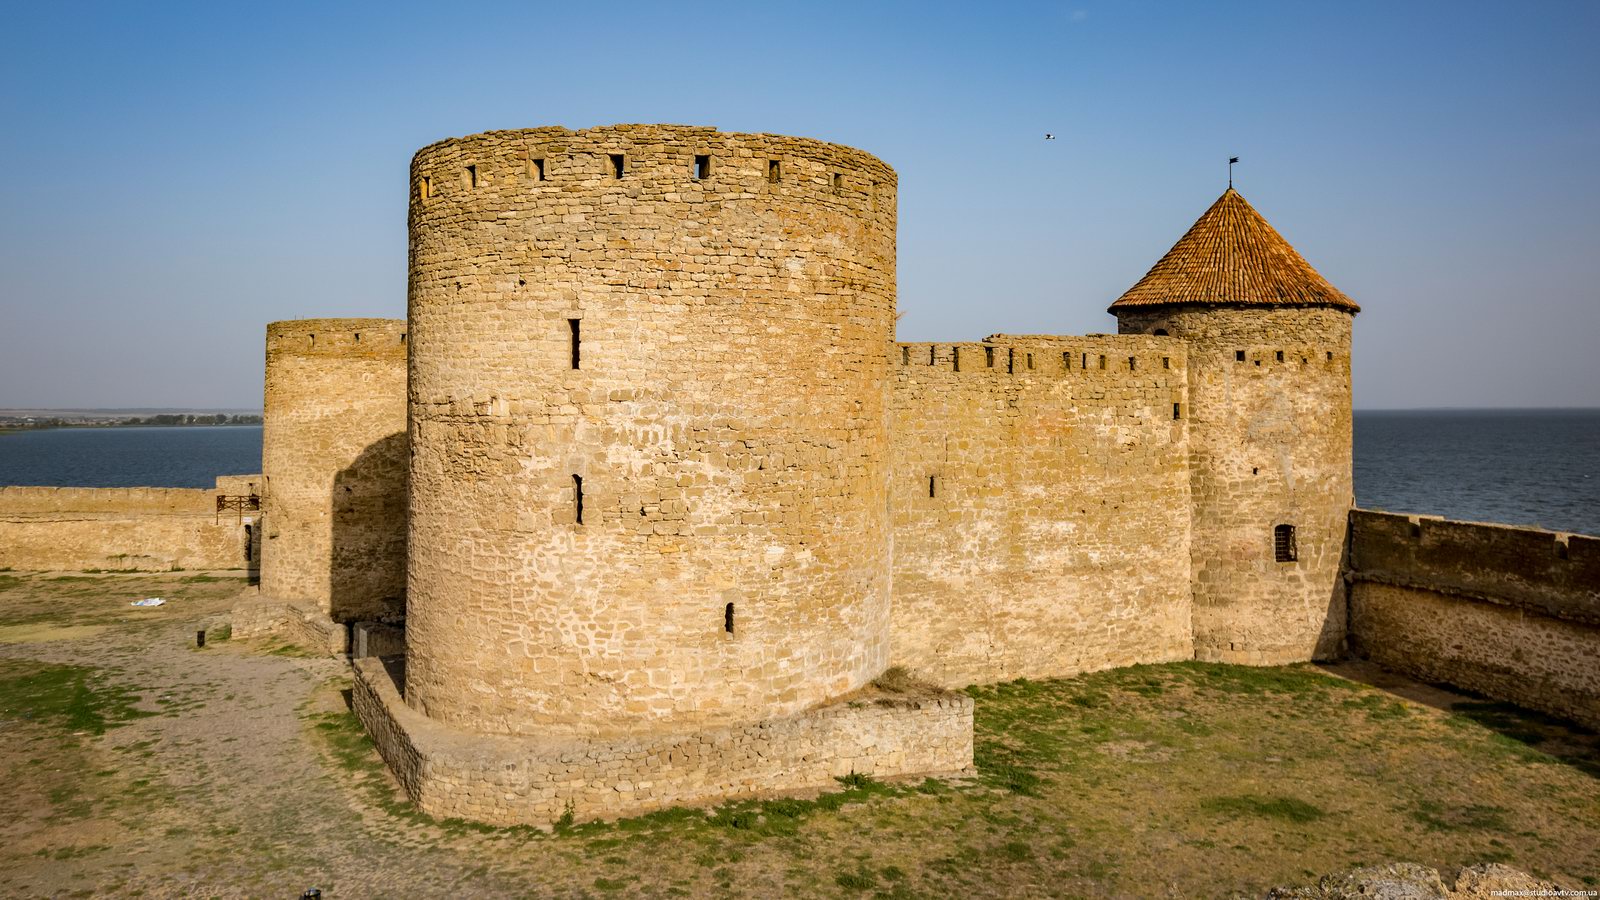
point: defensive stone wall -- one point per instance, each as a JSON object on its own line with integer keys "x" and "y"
{"x": 1041, "y": 506}
{"x": 1269, "y": 447}
{"x": 650, "y": 453}
{"x": 334, "y": 461}
{"x": 1513, "y": 613}
{"x": 530, "y": 780}
{"x": 139, "y": 528}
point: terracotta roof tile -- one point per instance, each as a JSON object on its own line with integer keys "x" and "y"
{"x": 1231, "y": 255}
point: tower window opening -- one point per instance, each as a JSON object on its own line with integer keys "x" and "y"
{"x": 577, "y": 341}
{"x": 1330, "y": 356}
{"x": 988, "y": 355}
{"x": 358, "y": 337}
{"x": 838, "y": 182}
{"x": 1066, "y": 361}
{"x": 1166, "y": 362}
{"x": 312, "y": 339}
{"x": 1280, "y": 356}
{"x": 1283, "y": 549}
{"x": 577, "y": 499}
{"x": 774, "y": 171}
{"x": 1258, "y": 362}
{"x": 1084, "y": 363}
{"x": 727, "y": 618}
{"x": 1102, "y": 360}
{"x": 702, "y": 167}
{"x": 424, "y": 188}
{"x": 1177, "y": 409}
{"x": 1030, "y": 360}
{"x": 1011, "y": 360}
{"x": 1133, "y": 364}
{"x": 905, "y": 356}
{"x": 538, "y": 169}
{"x": 933, "y": 486}
{"x": 1238, "y": 356}
{"x": 472, "y": 176}
{"x": 955, "y": 359}
{"x": 1563, "y": 546}
{"x": 619, "y": 166}
{"x": 931, "y": 351}
{"x": 402, "y": 337}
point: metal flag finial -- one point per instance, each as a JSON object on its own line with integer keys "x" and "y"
{"x": 1231, "y": 161}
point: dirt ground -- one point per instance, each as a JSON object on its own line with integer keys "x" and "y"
{"x": 138, "y": 765}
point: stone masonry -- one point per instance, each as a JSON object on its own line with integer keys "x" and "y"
{"x": 675, "y": 498}
{"x": 334, "y": 467}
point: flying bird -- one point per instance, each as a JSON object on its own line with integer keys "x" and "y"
{"x": 1049, "y": 137}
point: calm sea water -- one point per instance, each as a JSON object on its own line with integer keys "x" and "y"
{"x": 1521, "y": 467}
{"x": 189, "y": 456}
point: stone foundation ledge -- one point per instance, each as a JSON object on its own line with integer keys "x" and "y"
{"x": 306, "y": 626}
{"x": 528, "y": 780}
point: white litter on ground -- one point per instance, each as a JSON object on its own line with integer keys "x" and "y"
{"x": 148, "y": 601}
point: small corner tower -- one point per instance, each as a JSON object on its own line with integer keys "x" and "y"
{"x": 1270, "y": 432}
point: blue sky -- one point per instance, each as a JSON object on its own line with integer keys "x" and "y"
{"x": 178, "y": 175}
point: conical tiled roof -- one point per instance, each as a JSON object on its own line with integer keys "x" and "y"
{"x": 1232, "y": 256}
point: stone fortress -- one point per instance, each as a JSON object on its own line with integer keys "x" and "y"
{"x": 642, "y": 499}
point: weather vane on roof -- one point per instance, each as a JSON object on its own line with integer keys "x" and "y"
{"x": 1231, "y": 161}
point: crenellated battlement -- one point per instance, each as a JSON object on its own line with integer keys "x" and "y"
{"x": 642, "y": 163}
{"x": 377, "y": 338}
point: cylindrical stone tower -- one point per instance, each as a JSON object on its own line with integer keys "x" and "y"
{"x": 334, "y": 460}
{"x": 1269, "y": 432}
{"x": 648, "y": 431}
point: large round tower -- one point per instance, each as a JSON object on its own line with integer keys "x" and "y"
{"x": 1269, "y": 432}
{"x": 648, "y": 436}
{"x": 333, "y": 456}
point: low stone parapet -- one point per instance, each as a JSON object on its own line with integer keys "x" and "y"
{"x": 1512, "y": 613}
{"x": 523, "y": 780}
{"x": 303, "y": 625}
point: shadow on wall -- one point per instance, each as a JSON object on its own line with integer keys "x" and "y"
{"x": 252, "y": 550}
{"x": 367, "y": 565}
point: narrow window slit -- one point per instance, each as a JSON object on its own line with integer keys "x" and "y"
{"x": 933, "y": 486}
{"x": 702, "y": 167}
{"x": 577, "y": 499}
{"x": 1011, "y": 360}
{"x": 472, "y": 177}
{"x": 727, "y": 618}
{"x": 838, "y": 182}
{"x": 1066, "y": 361}
{"x": 1280, "y": 356}
{"x": 1166, "y": 362}
{"x": 988, "y": 355}
{"x": 1102, "y": 360}
{"x": 1238, "y": 356}
{"x": 424, "y": 188}
{"x": 955, "y": 358}
{"x": 930, "y": 355}
{"x": 538, "y": 169}
{"x": 905, "y": 356}
{"x": 577, "y": 341}
{"x": 619, "y": 165}
{"x": 1330, "y": 356}
{"x": 774, "y": 171}
{"x": 1176, "y": 409}
{"x": 1133, "y": 364}
{"x": 1030, "y": 360}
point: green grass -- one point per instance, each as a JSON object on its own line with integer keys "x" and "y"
{"x": 1289, "y": 809}
{"x": 77, "y": 698}
{"x": 1100, "y": 782}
